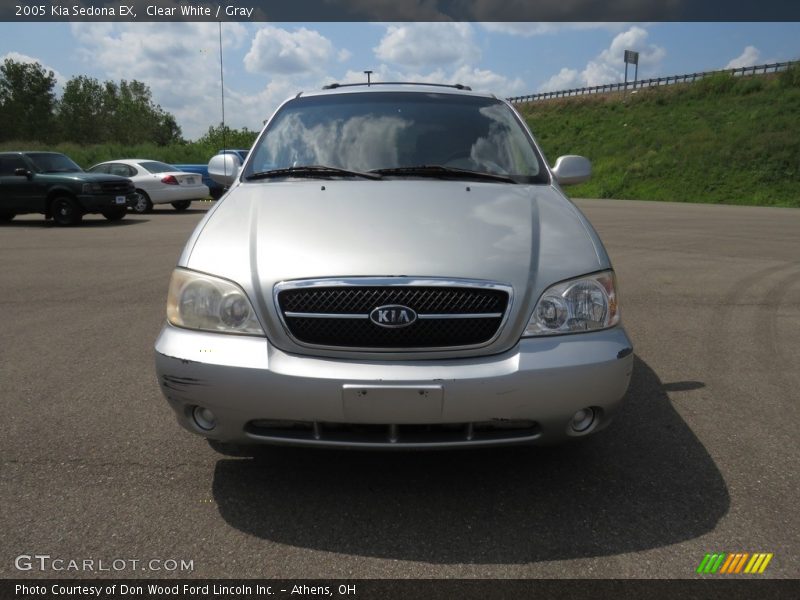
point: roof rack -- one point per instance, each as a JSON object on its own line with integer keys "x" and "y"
{"x": 458, "y": 86}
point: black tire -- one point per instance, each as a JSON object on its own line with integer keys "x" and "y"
{"x": 65, "y": 212}
{"x": 115, "y": 214}
{"x": 5, "y": 217}
{"x": 182, "y": 205}
{"x": 216, "y": 193}
{"x": 142, "y": 203}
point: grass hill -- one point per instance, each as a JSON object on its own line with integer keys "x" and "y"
{"x": 724, "y": 139}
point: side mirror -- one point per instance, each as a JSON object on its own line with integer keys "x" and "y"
{"x": 571, "y": 169}
{"x": 23, "y": 173}
{"x": 223, "y": 168}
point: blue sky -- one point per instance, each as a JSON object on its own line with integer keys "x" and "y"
{"x": 267, "y": 62}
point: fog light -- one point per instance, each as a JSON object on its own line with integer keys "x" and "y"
{"x": 583, "y": 419}
{"x": 204, "y": 418}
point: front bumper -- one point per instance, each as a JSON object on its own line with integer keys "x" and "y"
{"x": 95, "y": 203}
{"x": 259, "y": 393}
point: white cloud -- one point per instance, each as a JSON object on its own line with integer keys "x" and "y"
{"x": 482, "y": 80}
{"x": 488, "y": 81}
{"x": 565, "y": 79}
{"x": 252, "y": 110}
{"x": 608, "y": 66}
{"x": 276, "y": 50}
{"x": 179, "y": 62}
{"x": 344, "y": 55}
{"x": 526, "y": 29}
{"x": 428, "y": 44}
{"x": 24, "y": 58}
{"x": 748, "y": 58}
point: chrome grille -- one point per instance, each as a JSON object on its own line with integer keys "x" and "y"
{"x": 336, "y": 313}
{"x": 117, "y": 187}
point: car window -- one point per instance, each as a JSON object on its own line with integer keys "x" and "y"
{"x": 99, "y": 169}
{"x": 385, "y": 130}
{"x": 154, "y": 166}
{"x": 8, "y": 164}
{"x": 120, "y": 169}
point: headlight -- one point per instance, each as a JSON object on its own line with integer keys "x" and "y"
{"x": 584, "y": 304}
{"x": 92, "y": 188}
{"x": 198, "y": 301}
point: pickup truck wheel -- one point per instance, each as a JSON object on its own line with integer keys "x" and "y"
{"x": 6, "y": 216}
{"x": 65, "y": 211}
{"x": 182, "y": 205}
{"x": 115, "y": 214}
{"x": 216, "y": 193}
{"x": 142, "y": 203}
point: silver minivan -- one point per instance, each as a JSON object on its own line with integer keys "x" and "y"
{"x": 394, "y": 266}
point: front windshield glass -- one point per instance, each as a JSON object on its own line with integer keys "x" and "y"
{"x": 53, "y": 163}
{"x": 393, "y": 130}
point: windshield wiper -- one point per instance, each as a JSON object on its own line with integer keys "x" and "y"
{"x": 444, "y": 172}
{"x": 310, "y": 171}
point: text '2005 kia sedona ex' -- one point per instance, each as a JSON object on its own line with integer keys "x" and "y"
{"x": 394, "y": 266}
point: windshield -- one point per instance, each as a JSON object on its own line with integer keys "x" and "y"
{"x": 383, "y": 131}
{"x": 47, "y": 162}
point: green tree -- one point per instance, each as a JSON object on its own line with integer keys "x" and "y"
{"x": 134, "y": 118}
{"x": 82, "y": 111}
{"x": 223, "y": 136}
{"x": 27, "y": 101}
{"x": 168, "y": 130}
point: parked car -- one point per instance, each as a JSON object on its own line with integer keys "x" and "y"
{"x": 214, "y": 189}
{"x": 156, "y": 183}
{"x": 53, "y": 185}
{"x": 394, "y": 266}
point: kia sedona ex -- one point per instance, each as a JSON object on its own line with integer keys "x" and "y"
{"x": 394, "y": 266}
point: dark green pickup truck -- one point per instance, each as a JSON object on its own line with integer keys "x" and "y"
{"x": 53, "y": 185}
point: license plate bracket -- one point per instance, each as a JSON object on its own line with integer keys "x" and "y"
{"x": 392, "y": 404}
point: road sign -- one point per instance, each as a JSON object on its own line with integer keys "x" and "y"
{"x": 631, "y": 57}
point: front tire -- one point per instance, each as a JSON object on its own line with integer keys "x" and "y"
{"x": 182, "y": 205}
{"x": 65, "y": 212}
{"x": 115, "y": 214}
{"x": 142, "y": 203}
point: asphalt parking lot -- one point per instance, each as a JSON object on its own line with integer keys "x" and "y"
{"x": 704, "y": 458}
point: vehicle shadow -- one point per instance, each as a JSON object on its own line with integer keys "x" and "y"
{"x": 87, "y": 222}
{"x": 168, "y": 210}
{"x": 644, "y": 482}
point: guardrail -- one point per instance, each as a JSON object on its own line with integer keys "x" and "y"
{"x": 643, "y": 83}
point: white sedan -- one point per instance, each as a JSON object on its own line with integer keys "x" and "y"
{"x": 156, "y": 183}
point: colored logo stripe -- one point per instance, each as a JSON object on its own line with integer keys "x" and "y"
{"x": 710, "y": 563}
{"x": 758, "y": 563}
{"x": 734, "y": 563}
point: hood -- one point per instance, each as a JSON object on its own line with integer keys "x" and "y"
{"x": 526, "y": 236}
